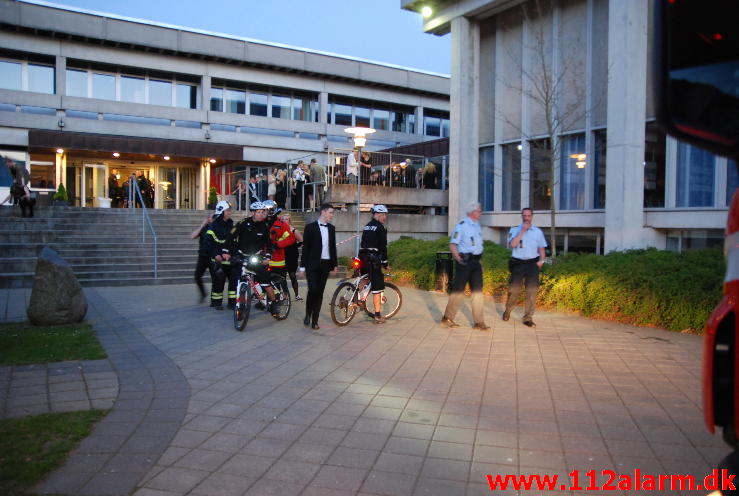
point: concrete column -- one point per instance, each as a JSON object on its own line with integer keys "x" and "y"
{"x": 627, "y": 93}
{"x": 205, "y": 92}
{"x": 419, "y": 120}
{"x": 464, "y": 127}
{"x": 60, "y": 75}
{"x": 323, "y": 107}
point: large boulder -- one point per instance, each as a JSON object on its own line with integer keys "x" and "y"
{"x": 57, "y": 297}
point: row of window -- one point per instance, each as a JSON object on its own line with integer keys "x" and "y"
{"x": 696, "y": 174}
{"x": 171, "y": 92}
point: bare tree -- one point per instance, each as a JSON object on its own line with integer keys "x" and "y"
{"x": 543, "y": 82}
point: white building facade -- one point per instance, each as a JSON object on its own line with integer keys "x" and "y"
{"x": 86, "y": 96}
{"x": 618, "y": 181}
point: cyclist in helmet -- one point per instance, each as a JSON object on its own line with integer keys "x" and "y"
{"x": 373, "y": 256}
{"x": 247, "y": 237}
{"x": 214, "y": 244}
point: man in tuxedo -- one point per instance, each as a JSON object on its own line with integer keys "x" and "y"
{"x": 318, "y": 259}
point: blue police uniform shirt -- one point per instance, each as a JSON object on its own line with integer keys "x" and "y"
{"x": 467, "y": 236}
{"x": 532, "y": 240}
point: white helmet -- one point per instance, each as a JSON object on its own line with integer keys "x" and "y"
{"x": 257, "y": 206}
{"x": 221, "y": 206}
{"x": 379, "y": 209}
{"x": 269, "y": 204}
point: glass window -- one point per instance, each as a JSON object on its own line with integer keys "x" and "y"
{"x": 732, "y": 180}
{"x": 19, "y": 158}
{"x": 10, "y": 75}
{"x": 599, "y": 169}
{"x": 444, "y": 128}
{"x": 41, "y": 78}
{"x": 512, "y": 177}
{"x": 582, "y": 243}
{"x": 342, "y": 114}
{"x": 398, "y": 122}
{"x": 539, "y": 189}
{"x": 305, "y": 109}
{"x": 654, "y": 166}
{"x": 103, "y": 86}
{"x": 133, "y": 89}
{"x": 695, "y": 176}
{"x": 431, "y": 125}
{"x": 216, "y": 99}
{"x": 281, "y": 106}
{"x": 76, "y": 83}
{"x": 235, "y": 101}
{"x": 43, "y": 174}
{"x": 258, "y": 104}
{"x": 573, "y": 161}
{"x": 362, "y": 116}
{"x": 485, "y": 182}
{"x": 381, "y": 120}
{"x": 187, "y": 96}
{"x": 160, "y": 92}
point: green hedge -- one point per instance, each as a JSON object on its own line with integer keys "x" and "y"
{"x": 676, "y": 291}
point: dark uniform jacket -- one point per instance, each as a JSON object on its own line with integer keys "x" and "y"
{"x": 374, "y": 238}
{"x": 213, "y": 242}
{"x": 248, "y": 237}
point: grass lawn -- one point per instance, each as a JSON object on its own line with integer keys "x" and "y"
{"x": 22, "y": 344}
{"x": 31, "y": 447}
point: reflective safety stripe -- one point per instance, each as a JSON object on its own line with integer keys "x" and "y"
{"x": 232, "y": 294}
{"x": 276, "y": 263}
{"x": 731, "y": 251}
{"x": 216, "y": 296}
{"x": 285, "y": 235}
{"x": 216, "y": 238}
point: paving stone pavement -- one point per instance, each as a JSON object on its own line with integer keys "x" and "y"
{"x": 410, "y": 408}
{"x": 57, "y": 387}
{"x": 404, "y": 408}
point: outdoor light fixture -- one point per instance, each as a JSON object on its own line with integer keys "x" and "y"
{"x": 519, "y": 147}
{"x": 60, "y": 150}
{"x": 166, "y": 157}
{"x": 580, "y": 164}
{"x": 426, "y": 11}
{"x": 116, "y": 154}
{"x": 212, "y": 161}
{"x": 360, "y": 139}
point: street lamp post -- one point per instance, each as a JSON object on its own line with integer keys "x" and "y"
{"x": 360, "y": 139}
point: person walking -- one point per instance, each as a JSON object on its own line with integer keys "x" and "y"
{"x": 214, "y": 244}
{"x": 317, "y": 261}
{"x": 204, "y": 260}
{"x": 466, "y": 248}
{"x": 527, "y": 244}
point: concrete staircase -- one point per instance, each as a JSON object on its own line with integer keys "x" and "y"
{"x": 103, "y": 246}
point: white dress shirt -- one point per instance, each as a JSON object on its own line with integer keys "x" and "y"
{"x": 325, "y": 253}
{"x": 352, "y": 165}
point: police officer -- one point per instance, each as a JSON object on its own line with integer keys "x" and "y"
{"x": 466, "y": 248}
{"x": 373, "y": 256}
{"x": 528, "y": 244}
{"x": 214, "y": 244}
{"x": 248, "y": 237}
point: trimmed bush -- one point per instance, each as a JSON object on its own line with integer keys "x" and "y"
{"x": 676, "y": 291}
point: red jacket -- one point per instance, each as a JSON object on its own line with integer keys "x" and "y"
{"x": 280, "y": 235}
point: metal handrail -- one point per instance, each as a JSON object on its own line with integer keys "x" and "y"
{"x": 133, "y": 189}
{"x": 314, "y": 183}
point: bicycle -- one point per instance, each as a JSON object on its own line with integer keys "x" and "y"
{"x": 247, "y": 289}
{"x": 352, "y": 294}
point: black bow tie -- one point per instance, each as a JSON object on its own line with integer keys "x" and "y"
{"x": 324, "y": 225}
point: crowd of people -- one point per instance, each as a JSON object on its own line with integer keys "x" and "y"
{"x": 119, "y": 190}
{"x": 268, "y": 232}
{"x": 378, "y": 170}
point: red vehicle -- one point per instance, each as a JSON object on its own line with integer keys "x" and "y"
{"x": 698, "y": 96}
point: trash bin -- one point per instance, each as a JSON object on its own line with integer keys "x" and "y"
{"x": 444, "y": 269}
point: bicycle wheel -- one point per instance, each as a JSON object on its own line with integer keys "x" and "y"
{"x": 392, "y": 299}
{"x": 243, "y": 306}
{"x": 342, "y": 306}
{"x": 281, "y": 306}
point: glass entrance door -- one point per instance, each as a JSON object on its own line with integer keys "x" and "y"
{"x": 167, "y": 187}
{"x": 94, "y": 187}
{"x": 186, "y": 189}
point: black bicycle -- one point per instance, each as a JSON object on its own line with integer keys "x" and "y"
{"x": 353, "y": 293}
{"x": 247, "y": 289}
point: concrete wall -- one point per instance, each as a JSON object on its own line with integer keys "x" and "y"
{"x": 417, "y": 226}
{"x": 347, "y": 193}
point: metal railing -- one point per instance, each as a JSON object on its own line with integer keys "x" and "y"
{"x": 389, "y": 169}
{"x": 133, "y": 191}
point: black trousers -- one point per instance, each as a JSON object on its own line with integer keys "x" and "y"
{"x": 219, "y": 274}
{"x": 523, "y": 271}
{"x": 469, "y": 272}
{"x": 202, "y": 265}
{"x": 316, "y": 277}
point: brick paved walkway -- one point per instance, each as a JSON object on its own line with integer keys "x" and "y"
{"x": 406, "y": 408}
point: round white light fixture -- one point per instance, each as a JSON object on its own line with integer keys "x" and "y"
{"x": 426, "y": 11}
{"x": 212, "y": 161}
{"x": 360, "y": 135}
{"x": 116, "y": 154}
{"x": 60, "y": 150}
{"x": 166, "y": 157}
